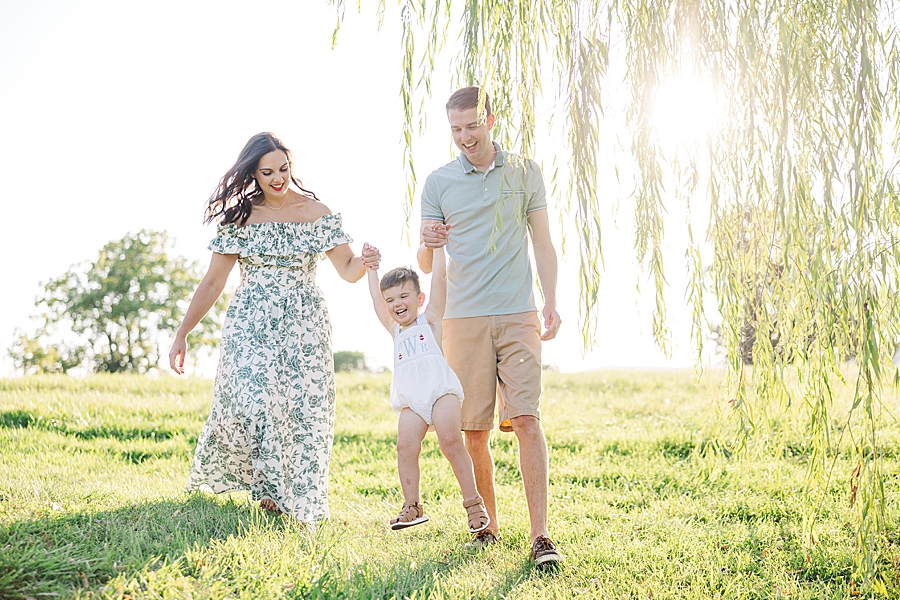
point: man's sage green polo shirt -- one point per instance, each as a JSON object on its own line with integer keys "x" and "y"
{"x": 488, "y": 269}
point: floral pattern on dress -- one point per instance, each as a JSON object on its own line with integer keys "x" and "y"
{"x": 271, "y": 425}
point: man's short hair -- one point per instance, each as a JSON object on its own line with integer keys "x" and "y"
{"x": 399, "y": 276}
{"x": 466, "y": 98}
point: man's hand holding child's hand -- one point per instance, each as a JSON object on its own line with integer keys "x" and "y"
{"x": 434, "y": 234}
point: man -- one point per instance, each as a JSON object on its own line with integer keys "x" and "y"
{"x": 488, "y": 201}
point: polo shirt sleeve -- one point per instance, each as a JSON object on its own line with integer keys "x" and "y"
{"x": 431, "y": 200}
{"x": 537, "y": 195}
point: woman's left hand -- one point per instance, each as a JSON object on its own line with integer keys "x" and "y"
{"x": 371, "y": 257}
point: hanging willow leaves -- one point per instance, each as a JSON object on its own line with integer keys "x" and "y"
{"x": 797, "y": 176}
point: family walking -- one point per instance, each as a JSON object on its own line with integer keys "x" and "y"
{"x": 472, "y": 353}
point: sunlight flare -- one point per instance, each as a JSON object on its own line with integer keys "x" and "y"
{"x": 686, "y": 111}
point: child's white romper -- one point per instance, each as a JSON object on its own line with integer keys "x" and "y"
{"x": 421, "y": 373}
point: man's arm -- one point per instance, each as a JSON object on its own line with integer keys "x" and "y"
{"x": 545, "y": 261}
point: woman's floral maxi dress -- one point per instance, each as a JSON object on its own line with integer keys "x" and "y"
{"x": 271, "y": 424}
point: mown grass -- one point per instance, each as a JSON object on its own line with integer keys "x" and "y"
{"x": 646, "y": 502}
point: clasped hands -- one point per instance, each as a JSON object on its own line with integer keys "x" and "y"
{"x": 434, "y": 234}
{"x": 371, "y": 257}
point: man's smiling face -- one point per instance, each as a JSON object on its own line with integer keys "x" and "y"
{"x": 472, "y": 135}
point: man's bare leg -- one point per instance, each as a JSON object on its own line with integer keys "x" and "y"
{"x": 533, "y": 462}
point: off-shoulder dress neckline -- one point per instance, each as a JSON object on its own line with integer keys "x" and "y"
{"x": 236, "y": 226}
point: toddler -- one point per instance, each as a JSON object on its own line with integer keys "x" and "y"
{"x": 425, "y": 392}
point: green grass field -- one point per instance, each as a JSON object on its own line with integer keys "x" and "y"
{"x": 646, "y": 502}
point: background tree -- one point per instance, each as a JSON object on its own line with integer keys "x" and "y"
{"x": 348, "y": 360}
{"x": 806, "y": 146}
{"x": 31, "y": 355}
{"x": 125, "y": 302}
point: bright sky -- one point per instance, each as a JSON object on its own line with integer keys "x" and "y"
{"x": 121, "y": 116}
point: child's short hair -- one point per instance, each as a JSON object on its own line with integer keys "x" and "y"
{"x": 399, "y": 276}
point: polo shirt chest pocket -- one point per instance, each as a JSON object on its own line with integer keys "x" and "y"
{"x": 516, "y": 199}
{"x": 513, "y": 195}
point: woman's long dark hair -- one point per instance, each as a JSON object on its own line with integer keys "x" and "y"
{"x": 233, "y": 199}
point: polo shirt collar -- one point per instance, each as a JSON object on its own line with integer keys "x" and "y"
{"x": 499, "y": 160}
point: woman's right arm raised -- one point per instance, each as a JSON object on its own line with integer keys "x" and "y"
{"x": 207, "y": 293}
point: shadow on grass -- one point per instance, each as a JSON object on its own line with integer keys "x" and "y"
{"x": 526, "y": 571}
{"x": 411, "y": 580}
{"x": 150, "y": 546}
{"x": 404, "y": 579}
{"x": 51, "y": 555}
{"x": 20, "y": 419}
{"x": 16, "y": 418}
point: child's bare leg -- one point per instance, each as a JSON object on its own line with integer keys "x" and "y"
{"x": 446, "y": 418}
{"x": 445, "y": 415}
{"x": 410, "y": 433}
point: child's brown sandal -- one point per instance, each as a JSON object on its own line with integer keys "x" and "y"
{"x": 410, "y": 514}
{"x": 478, "y": 517}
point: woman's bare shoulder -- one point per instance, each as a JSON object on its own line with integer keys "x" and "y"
{"x": 315, "y": 208}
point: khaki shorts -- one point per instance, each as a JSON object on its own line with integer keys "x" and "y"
{"x": 498, "y": 362}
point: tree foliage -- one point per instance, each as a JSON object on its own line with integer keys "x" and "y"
{"x": 122, "y": 304}
{"x": 798, "y": 178}
{"x": 349, "y": 360}
{"x": 32, "y": 355}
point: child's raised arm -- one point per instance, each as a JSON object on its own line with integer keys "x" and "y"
{"x": 434, "y": 312}
{"x": 381, "y": 309}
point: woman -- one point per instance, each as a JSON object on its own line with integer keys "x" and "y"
{"x": 271, "y": 424}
